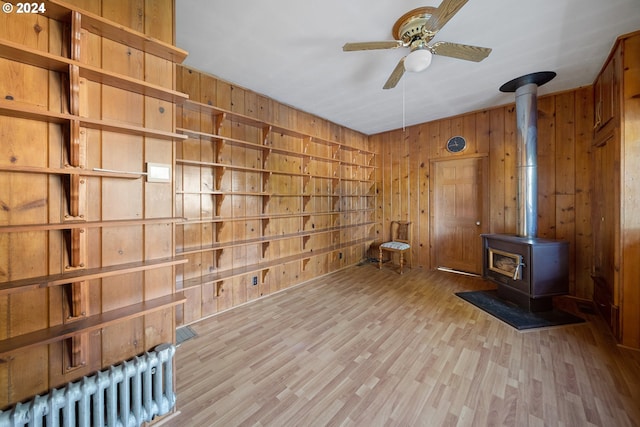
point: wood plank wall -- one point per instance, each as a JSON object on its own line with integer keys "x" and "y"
{"x": 564, "y": 174}
{"x": 28, "y": 198}
{"x": 232, "y": 239}
{"x": 401, "y": 181}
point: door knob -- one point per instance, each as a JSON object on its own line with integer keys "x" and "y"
{"x": 477, "y": 222}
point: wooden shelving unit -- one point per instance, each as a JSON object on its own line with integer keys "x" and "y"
{"x": 70, "y": 225}
{"x": 74, "y": 126}
{"x": 82, "y": 275}
{"x": 277, "y": 206}
{"x": 69, "y": 171}
{"x": 267, "y": 239}
{"x": 616, "y": 191}
{"x": 38, "y": 58}
{"x": 87, "y": 324}
{"x": 263, "y": 267}
{"x": 14, "y": 109}
{"x": 95, "y": 24}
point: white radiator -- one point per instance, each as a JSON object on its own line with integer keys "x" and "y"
{"x": 124, "y": 395}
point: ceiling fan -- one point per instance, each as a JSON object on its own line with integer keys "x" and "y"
{"x": 415, "y": 29}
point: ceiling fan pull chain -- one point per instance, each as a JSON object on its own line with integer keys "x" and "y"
{"x": 403, "y": 108}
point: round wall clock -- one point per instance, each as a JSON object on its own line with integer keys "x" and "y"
{"x": 456, "y": 144}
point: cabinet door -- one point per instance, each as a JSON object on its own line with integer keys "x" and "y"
{"x": 605, "y": 211}
{"x": 605, "y": 93}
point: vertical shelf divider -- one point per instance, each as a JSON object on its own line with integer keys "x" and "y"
{"x": 78, "y": 298}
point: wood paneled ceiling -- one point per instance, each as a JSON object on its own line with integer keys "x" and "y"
{"x": 291, "y": 51}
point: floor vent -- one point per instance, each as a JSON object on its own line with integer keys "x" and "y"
{"x": 183, "y": 334}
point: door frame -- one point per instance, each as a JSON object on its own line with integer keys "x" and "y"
{"x": 484, "y": 221}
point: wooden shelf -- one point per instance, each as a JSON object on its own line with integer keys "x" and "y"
{"x": 118, "y": 127}
{"x": 85, "y": 274}
{"x": 213, "y": 137}
{"x": 241, "y": 118}
{"x": 267, "y": 239}
{"x": 87, "y": 324}
{"x": 86, "y": 224}
{"x": 268, "y": 171}
{"x": 23, "y": 111}
{"x": 225, "y": 193}
{"x": 225, "y": 166}
{"x": 319, "y": 213}
{"x": 356, "y": 180}
{"x": 38, "y": 58}
{"x": 300, "y": 195}
{"x": 235, "y": 272}
{"x": 357, "y": 195}
{"x": 357, "y": 211}
{"x": 264, "y": 217}
{"x": 266, "y": 148}
{"x": 102, "y": 27}
{"x": 69, "y": 170}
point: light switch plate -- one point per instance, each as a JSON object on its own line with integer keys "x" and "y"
{"x": 158, "y": 172}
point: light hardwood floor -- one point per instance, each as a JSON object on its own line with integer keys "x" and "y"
{"x": 368, "y": 347}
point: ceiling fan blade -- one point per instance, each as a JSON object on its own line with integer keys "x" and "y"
{"x": 349, "y": 47}
{"x": 395, "y": 76}
{"x": 460, "y": 51}
{"x": 443, "y": 14}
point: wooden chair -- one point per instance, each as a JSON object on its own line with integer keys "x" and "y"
{"x": 400, "y": 243}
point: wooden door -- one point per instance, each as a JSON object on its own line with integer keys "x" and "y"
{"x": 458, "y": 206}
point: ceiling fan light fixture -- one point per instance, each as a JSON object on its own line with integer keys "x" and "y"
{"x": 415, "y": 30}
{"x": 418, "y": 60}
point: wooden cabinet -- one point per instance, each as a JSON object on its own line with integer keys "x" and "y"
{"x": 616, "y": 190}
{"x": 605, "y": 225}
{"x": 606, "y": 92}
{"x": 87, "y": 265}
{"x": 266, "y": 206}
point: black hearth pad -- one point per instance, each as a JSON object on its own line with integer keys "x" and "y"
{"x": 516, "y": 316}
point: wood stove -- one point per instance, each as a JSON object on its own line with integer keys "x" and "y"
{"x": 528, "y": 270}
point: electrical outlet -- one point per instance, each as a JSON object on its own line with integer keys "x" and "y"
{"x": 340, "y": 255}
{"x": 254, "y": 280}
